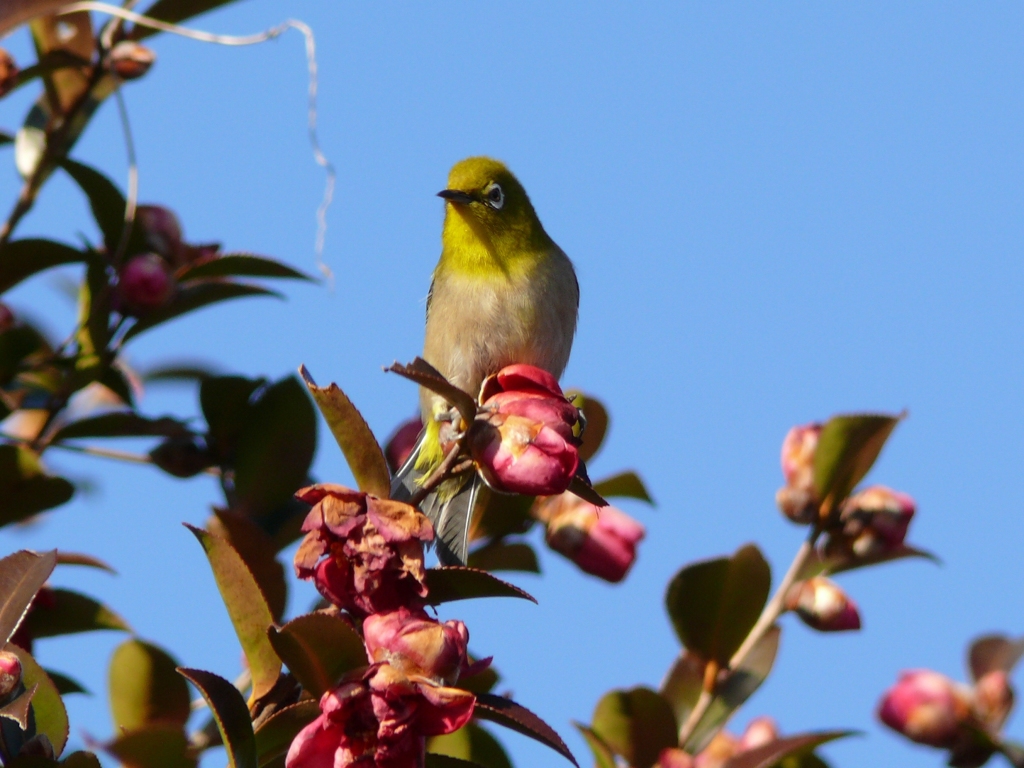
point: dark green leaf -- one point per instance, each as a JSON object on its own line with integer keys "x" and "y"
{"x": 20, "y": 259}
{"x": 275, "y": 448}
{"x": 446, "y": 761}
{"x": 183, "y": 371}
{"x": 47, "y": 706}
{"x": 682, "y": 685}
{"x": 195, "y": 296}
{"x": 319, "y": 649}
{"x": 426, "y": 375}
{"x": 518, "y": 718}
{"x": 637, "y": 724}
{"x": 239, "y": 265}
{"x": 989, "y": 653}
{"x": 597, "y": 422}
{"x": 174, "y": 12}
{"x": 66, "y": 684}
{"x": 24, "y": 489}
{"x": 361, "y": 449}
{"x": 626, "y": 484}
{"x": 473, "y": 744}
{"x": 19, "y": 709}
{"x": 225, "y": 404}
{"x": 247, "y": 609}
{"x": 831, "y": 564}
{"x": 449, "y": 583}
{"x": 502, "y": 514}
{"x": 847, "y": 448}
{"x": 768, "y": 755}
{"x": 582, "y": 488}
{"x": 183, "y": 457}
{"x": 714, "y": 604}
{"x": 505, "y": 556}
{"x": 71, "y": 613}
{"x": 120, "y": 424}
{"x": 231, "y": 714}
{"x": 259, "y": 553}
{"x": 603, "y": 755}
{"x": 21, "y": 576}
{"x": 145, "y": 688}
{"x": 274, "y": 735}
{"x": 157, "y": 745}
{"x": 16, "y": 344}
{"x": 105, "y": 200}
{"x": 81, "y": 759}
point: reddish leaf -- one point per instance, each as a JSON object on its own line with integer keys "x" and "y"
{"x": 993, "y": 652}
{"x": 426, "y": 375}
{"x": 518, "y": 718}
{"x": 231, "y": 714}
{"x": 773, "y": 753}
{"x": 78, "y": 558}
{"x": 319, "y": 648}
{"x": 18, "y": 709}
{"x": 21, "y": 576}
{"x": 454, "y": 582}
{"x": 47, "y": 706}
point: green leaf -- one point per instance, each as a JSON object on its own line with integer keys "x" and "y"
{"x": 230, "y": 712}
{"x": 603, "y": 755}
{"x": 637, "y": 724}
{"x": 174, "y": 12}
{"x": 516, "y": 717}
{"x": 626, "y": 484}
{"x": 275, "y": 448}
{"x": 24, "y": 489}
{"x": 105, "y": 200}
{"x": 737, "y": 688}
{"x": 989, "y": 653}
{"x": 257, "y": 549}
{"x": 840, "y": 562}
{"x": 319, "y": 649}
{"x": 120, "y": 424}
{"x": 47, "y": 706}
{"x": 145, "y": 688}
{"x": 597, "y": 422}
{"x": 453, "y": 582}
{"x": 21, "y": 259}
{"x": 683, "y": 684}
{"x": 471, "y": 743}
{"x": 239, "y": 265}
{"x": 225, "y": 401}
{"x": 847, "y": 448}
{"x": 21, "y": 576}
{"x": 196, "y": 296}
{"x": 66, "y": 684}
{"x": 714, "y": 604}
{"x": 157, "y": 745}
{"x": 94, "y": 308}
{"x": 275, "y": 734}
{"x": 505, "y": 556}
{"x": 768, "y": 755}
{"x": 72, "y": 613}
{"x": 247, "y": 609}
{"x": 361, "y": 449}
{"x": 16, "y": 344}
{"x": 179, "y": 372}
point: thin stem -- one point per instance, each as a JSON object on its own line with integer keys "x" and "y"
{"x": 437, "y": 476}
{"x": 104, "y": 453}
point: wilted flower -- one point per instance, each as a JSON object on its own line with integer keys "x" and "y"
{"x": 926, "y": 707}
{"x": 144, "y": 284}
{"x": 522, "y": 440}
{"x": 130, "y": 60}
{"x": 161, "y": 230}
{"x": 401, "y": 443}
{"x": 363, "y": 553}
{"x": 798, "y": 499}
{"x": 823, "y": 605}
{"x": 993, "y": 699}
{"x": 874, "y": 521}
{"x": 600, "y": 540}
{"x": 8, "y": 72}
{"x": 10, "y": 674}
{"x": 415, "y": 644}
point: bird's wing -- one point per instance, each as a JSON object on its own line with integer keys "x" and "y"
{"x": 452, "y": 519}
{"x": 405, "y": 481}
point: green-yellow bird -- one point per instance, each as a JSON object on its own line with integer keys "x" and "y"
{"x": 503, "y": 292}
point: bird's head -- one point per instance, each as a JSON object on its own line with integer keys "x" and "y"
{"x": 487, "y": 202}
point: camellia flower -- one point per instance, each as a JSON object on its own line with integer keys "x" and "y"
{"x": 416, "y": 644}
{"x": 875, "y": 521}
{"x": 363, "y": 553}
{"x": 600, "y": 540}
{"x": 522, "y": 439}
{"x": 798, "y": 499}
{"x": 992, "y": 699}
{"x": 10, "y": 674}
{"x": 823, "y": 605}
{"x": 145, "y": 283}
{"x": 926, "y": 707}
{"x": 401, "y": 443}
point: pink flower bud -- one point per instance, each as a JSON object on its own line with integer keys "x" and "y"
{"x": 671, "y": 757}
{"x": 875, "y": 520}
{"x": 161, "y": 229}
{"x": 715, "y": 755}
{"x": 130, "y": 60}
{"x": 760, "y": 731}
{"x": 926, "y": 707}
{"x": 520, "y": 378}
{"x": 798, "y": 499}
{"x": 415, "y": 644}
{"x": 822, "y": 605}
{"x": 993, "y": 699}
{"x": 520, "y": 455}
{"x": 8, "y": 73}
{"x": 145, "y": 284}
{"x": 10, "y": 674}
{"x": 600, "y": 540}
{"x": 7, "y": 318}
{"x": 401, "y": 443}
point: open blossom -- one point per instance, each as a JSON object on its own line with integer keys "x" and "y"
{"x": 875, "y": 521}
{"x": 363, "y": 553}
{"x": 926, "y": 707}
{"x": 798, "y": 499}
{"x": 522, "y": 440}
{"x": 823, "y": 605}
{"x": 602, "y": 541}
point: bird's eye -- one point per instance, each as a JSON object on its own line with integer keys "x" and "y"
{"x": 495, "y": 197}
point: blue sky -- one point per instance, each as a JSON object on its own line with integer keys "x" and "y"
{"x": 777, "y": 213}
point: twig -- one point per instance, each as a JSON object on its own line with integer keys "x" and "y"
{"x": 133, "y": 178}
{"x": 437, "y": 476}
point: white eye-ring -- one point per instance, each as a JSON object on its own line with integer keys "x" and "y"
{"x": 495, "y": 197}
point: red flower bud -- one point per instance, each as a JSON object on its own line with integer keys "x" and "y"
{"x": 145, "y": 284}
{"x": 875, "y": 520}
{"x": 8, "y": 73}
{"x": 415, "y": 644}
{"x": 798, "y": 499}
{"x": 161, "y": 230}
{"x": 10, "y": 674}
{"x": 993, "y": 699}
{"x": 671, "y": 757}
{"x": 822, "y": 605}
{"x": 401, "y": 443}
{"x": 130, "y": 60}
{"x": 926, "y": 707}
{"x": 600, "y": 540}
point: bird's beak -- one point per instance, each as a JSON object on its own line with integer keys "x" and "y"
{"x": 455, "y": 196}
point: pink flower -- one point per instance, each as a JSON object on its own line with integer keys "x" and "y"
{"x": 823, "y": 605}
{"x": 401, "y": 443}
{"x": 875, "y": 520}
{"x": 671, "y": 757}
{"x": 145, "y": 284}
{"x": 364, "y": 554}
{"x": 992, "y": 699}
{"x": 600, "y": 540}
{"x": 798, "y": 499}
{"x": 10, "y": 674}
{"x": 415, "y": 644}
{"x": 926, "y": 707}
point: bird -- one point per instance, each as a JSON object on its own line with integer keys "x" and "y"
{"x": 502, "y": 292}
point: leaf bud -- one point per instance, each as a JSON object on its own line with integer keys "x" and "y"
{"x": 798, "y": 499}
{"x": 8, "y": 73}
{"x": 10, "y": 674}
{"x": 822, "y": 605}
{"x": 130, "y": 60}
{"x": 926, "y": 707}
{"x": 145, "y": 283}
